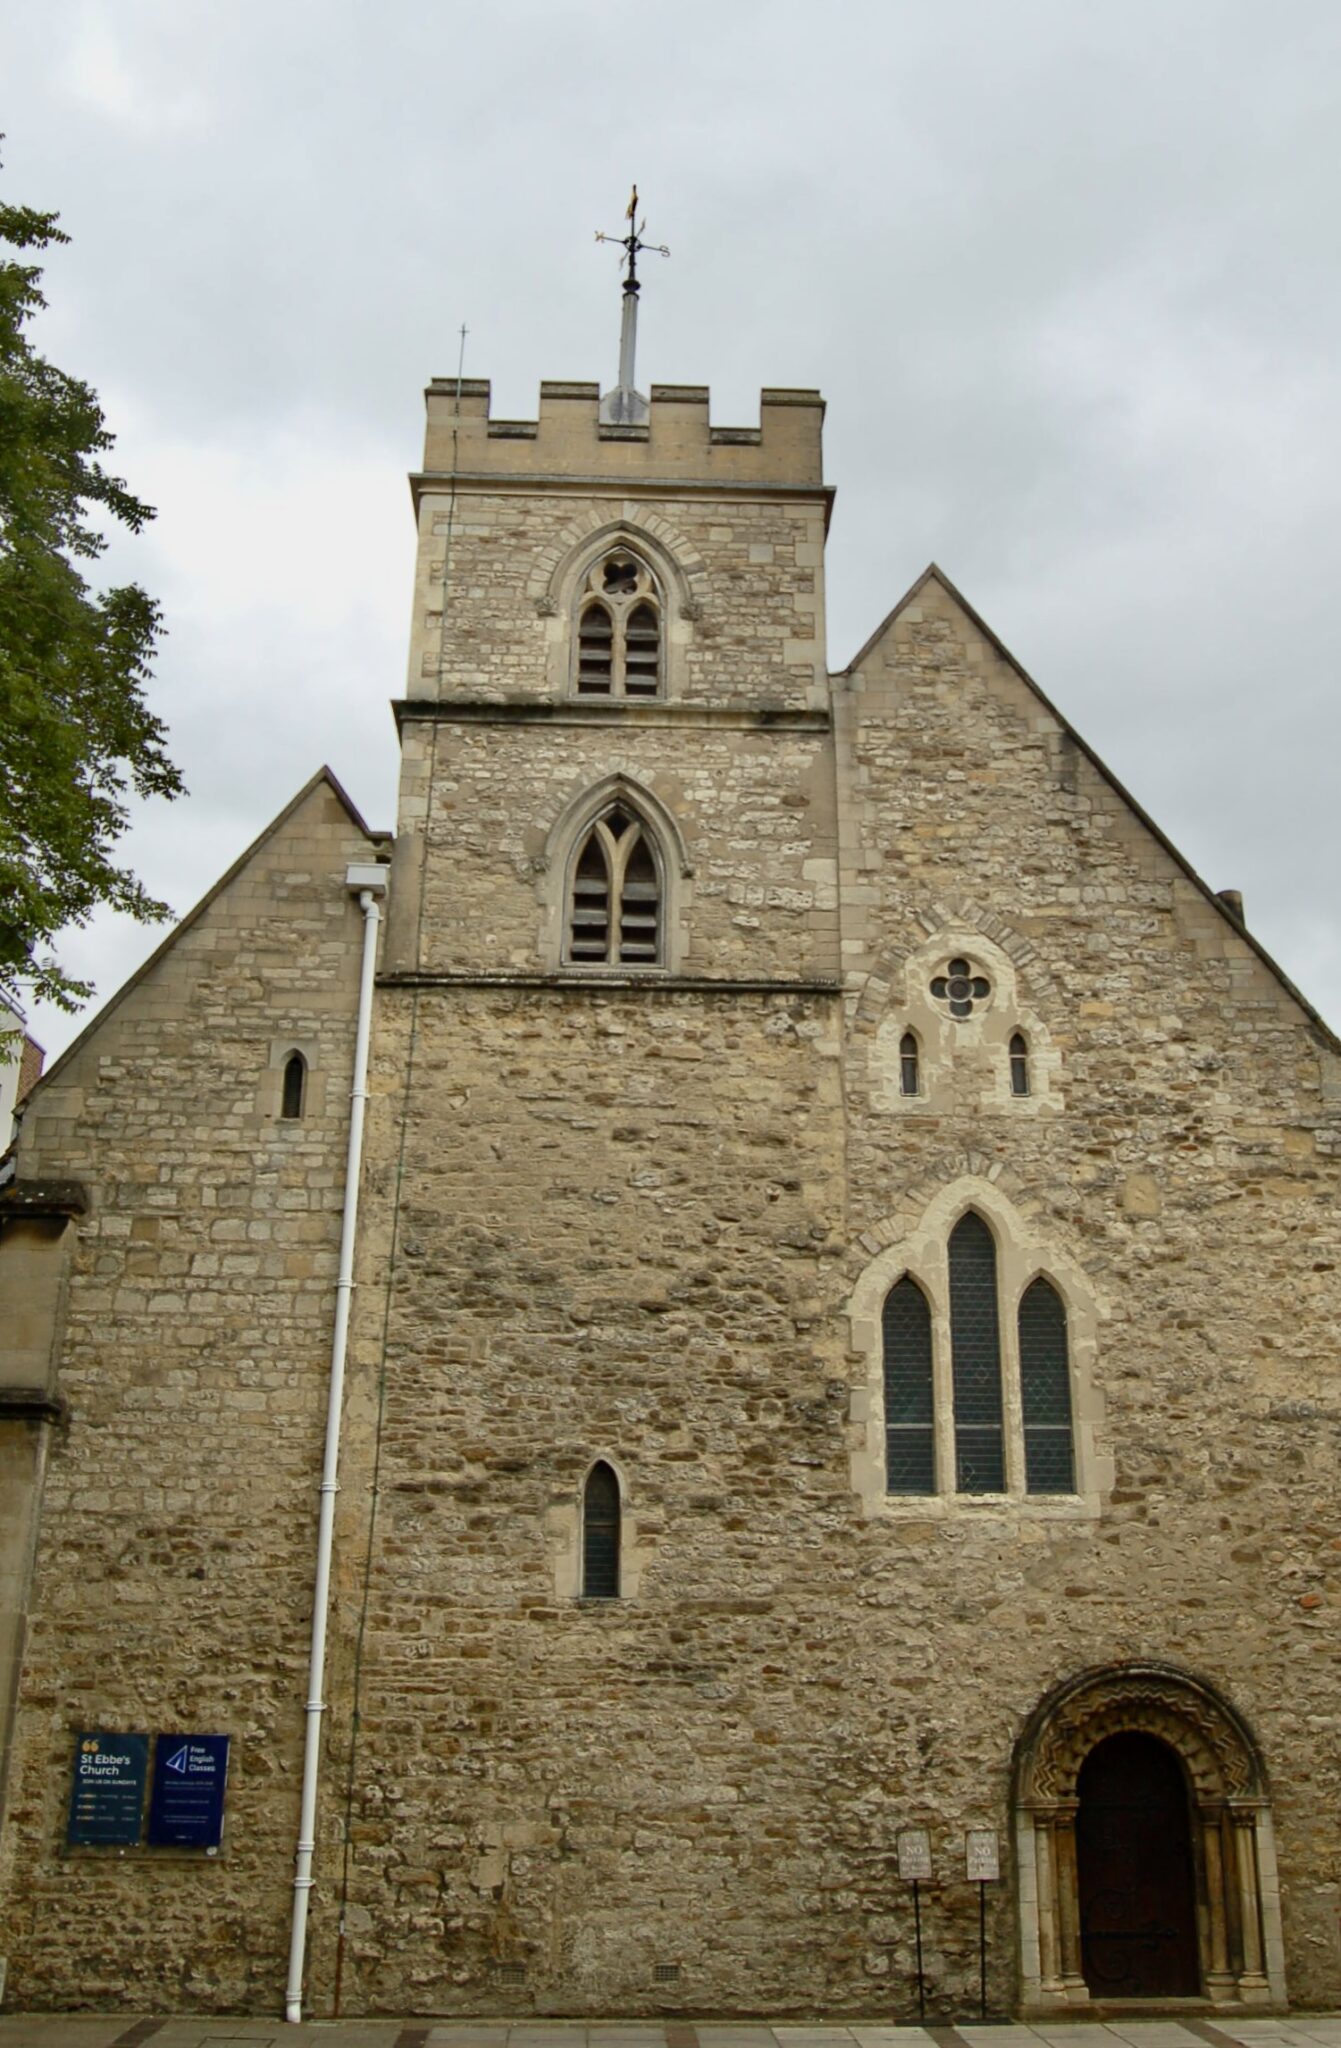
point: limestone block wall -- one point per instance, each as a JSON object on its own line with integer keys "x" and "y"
{"x": 1175, "y": 1167}
{"x": 173, "y": 1577}
{"x": 741, "y": 581}
{"x": 606, "y": 1227}
{"x": 744, "y": 811}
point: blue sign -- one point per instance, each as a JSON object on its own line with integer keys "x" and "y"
{"x": 107, "y": 1797}
{"x": 186, "y": 1803}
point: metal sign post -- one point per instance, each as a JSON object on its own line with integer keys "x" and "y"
{"x": 915, "y": 1869}
{"x": 982, "y": 1866}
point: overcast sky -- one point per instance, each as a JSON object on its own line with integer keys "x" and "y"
{"x": 1065, "y": 270}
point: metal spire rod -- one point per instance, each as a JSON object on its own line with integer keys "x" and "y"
{"x": 623, "y": 405}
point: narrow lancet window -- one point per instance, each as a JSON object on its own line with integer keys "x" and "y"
{"x": 910, "y": 1079}
{"x": 642, "y": 652}
{"x": 595, "y": 652}
{"x": 590, "y": 933}
{"x": 1045, "y": 1392}
{"x": 615, "y": 912}
{"x": 1019, "y": 1064}
{"x": 600, "y": 1535}
{"x": 295, "y": 1086}
{"x": 975, "y": 1358}
{"x": 910, "y": 1445}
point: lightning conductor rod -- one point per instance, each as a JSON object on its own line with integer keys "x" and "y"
{"x": 625, "y": 405}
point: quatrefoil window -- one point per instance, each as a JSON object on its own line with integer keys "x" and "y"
{"x": 959, "y": 988}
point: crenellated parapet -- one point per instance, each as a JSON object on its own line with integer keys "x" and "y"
{"x": 677, "y": 443}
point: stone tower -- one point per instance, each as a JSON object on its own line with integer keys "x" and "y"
{"x": 618, "y": 1071}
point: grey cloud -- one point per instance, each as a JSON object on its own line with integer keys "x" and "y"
{"x": 1066, "y": 276}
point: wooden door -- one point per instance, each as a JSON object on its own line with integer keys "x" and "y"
{"x": 1138, "y": 1922}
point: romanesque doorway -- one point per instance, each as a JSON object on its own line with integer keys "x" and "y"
{"x": 1145, "y": 1856}
{"x": 1134, "y": 1871}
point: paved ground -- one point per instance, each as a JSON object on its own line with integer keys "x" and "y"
{"x": 51, "y": 2030}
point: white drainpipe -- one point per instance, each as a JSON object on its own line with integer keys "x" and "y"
{"x": 370, "y": 882}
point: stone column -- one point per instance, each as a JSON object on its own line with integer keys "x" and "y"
{"x": 1253, "y": 1986}
{"x": 1068, "y": 1900}
{"x": 1049, "y": 1970}
{"x": 1219, "y": 1976}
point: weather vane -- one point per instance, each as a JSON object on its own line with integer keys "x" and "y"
{"x": 624, "y": 406}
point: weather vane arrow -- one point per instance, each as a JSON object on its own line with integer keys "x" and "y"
{"x": 624, "y": 406}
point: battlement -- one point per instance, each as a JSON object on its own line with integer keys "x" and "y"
{"x": 569, "y": 439}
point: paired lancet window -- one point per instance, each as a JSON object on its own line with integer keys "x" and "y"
{"x": 949, "y": 1425}
{"x": 619, "y": 651}
{"x": 614, "y": 915}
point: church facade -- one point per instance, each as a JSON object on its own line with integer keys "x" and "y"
{"x": 841, "y": 1308}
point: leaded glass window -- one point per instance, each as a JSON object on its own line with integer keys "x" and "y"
{"x": 600, "y": 1535}
{"x": 1019, "y": 1064}
{"x": 910, "y": 1438}
{"x": 1045, "y": 1392}
{"x": 975, "y": 1359}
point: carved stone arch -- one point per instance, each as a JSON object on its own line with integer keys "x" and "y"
{"x": 955, "y": 917}
{"x": 1219, "y": 1753}
{"x": 1238, "y": 1908}
{"x": 957, "y": 1175}
{"x": 569, "y": 827}
{"x": 559, "y": 568}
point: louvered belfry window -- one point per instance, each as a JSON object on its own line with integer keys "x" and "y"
{"x": 1045, "y": 1391}
{"x": 619, "y": 630}
{"x": 615, "y": 913}
{"x": 600, "y": 1535}
{"x": 975, "y": 1357}
{"x": 910, "y": 1437}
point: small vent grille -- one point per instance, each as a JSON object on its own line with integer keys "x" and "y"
{"x": 512, "y": 1973}
{"x": 665, "y": 1973}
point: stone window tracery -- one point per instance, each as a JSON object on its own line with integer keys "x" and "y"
{"x": 959, "y": 989}
{"x": 614, "y": 910}
{"x": 976, "y": 1382}
{"x": 619, "y": 629}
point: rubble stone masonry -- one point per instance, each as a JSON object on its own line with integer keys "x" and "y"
{"x": 651, "y": 1218}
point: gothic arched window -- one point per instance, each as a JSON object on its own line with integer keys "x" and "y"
{"x": 1019, "y": 1064}
{"x": 600, "y": 1534}
{"x": 975, "y": 1359}
{"x": 910, "y": 1419}
{"x": 1045, "y": 1391}
{"x": 614, "y": 914}
{"x": 619, "y": 629}
{"x": 294, "y": 1087}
